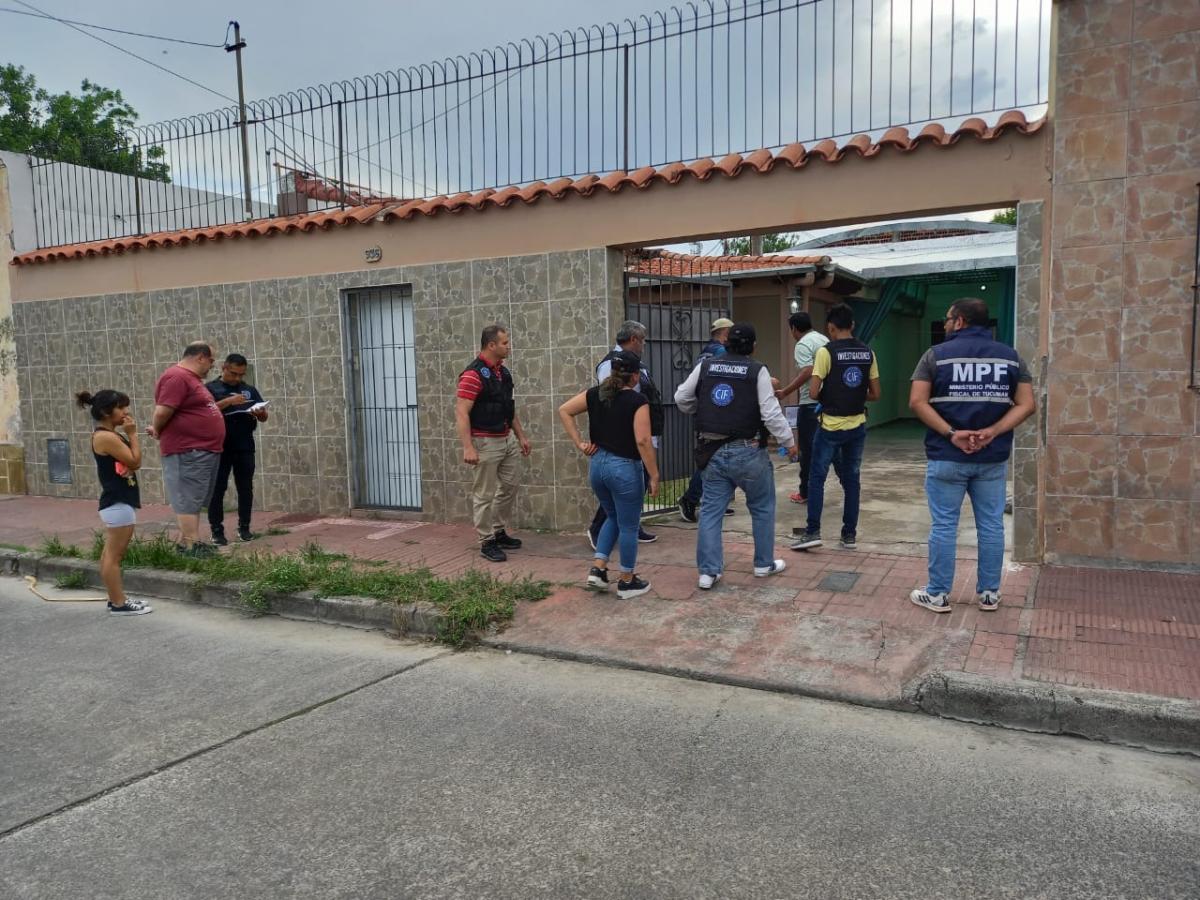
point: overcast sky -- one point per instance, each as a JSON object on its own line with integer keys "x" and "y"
{"x": 290, "y": 42}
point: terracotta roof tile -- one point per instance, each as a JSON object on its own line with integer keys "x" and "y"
{"x": 683, "y": 265}
{"x": 794, "y": 156}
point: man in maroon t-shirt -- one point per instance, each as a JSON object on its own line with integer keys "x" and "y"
{"x": 191, "y": 433}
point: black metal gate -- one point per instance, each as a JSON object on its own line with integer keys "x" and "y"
{"x": 677, "y": 299}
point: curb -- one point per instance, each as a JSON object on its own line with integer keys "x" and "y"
{"x": 1135, "y": 720}
{"x": 410, "y": 619}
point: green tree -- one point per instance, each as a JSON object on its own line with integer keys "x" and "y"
{"x": 772, "y": 243}
{"x": 1005, "y": 217}
{"x": 90, "y": 128}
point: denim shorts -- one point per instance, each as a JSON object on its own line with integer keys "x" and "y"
{"x": 118, "y": 515}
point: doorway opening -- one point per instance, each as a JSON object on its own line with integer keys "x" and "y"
{"x": 899, "y": 278}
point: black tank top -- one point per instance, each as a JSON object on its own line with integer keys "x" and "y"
{"x": 117, "y": 483}
{"x": 610, "y": 425}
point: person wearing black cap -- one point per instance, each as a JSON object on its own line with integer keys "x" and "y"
{"x": 621, "y": 449}
{"x": 735, "y": 406}
{"x": 690, "y": 501}
{"x": 631, "y": 337}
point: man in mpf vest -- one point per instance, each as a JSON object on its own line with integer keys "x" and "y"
{"x": 845, "y": 376}
{"x": 971, "y": 391}
{"x": 735, "y": 406}
{"x": 485, "y": 414}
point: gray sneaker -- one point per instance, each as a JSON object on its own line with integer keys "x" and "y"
{"x": 848, "y": 543}
{"x": 807, "y": 541}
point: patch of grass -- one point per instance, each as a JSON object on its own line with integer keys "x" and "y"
{"x": 97, "y": 545}
{"x": 276, "y": 531}
{"x": 71, "y": 581}
{"x": 471, "y": 602}
{"x": 20, "y": 548}
{"x": 53, "y": 546}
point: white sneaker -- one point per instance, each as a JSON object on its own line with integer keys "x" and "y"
{"x": 774, "y": 569}
{"x": 707, "y": 581}
{"x": 988, "y": 600}
{"x": 938, "y": 603}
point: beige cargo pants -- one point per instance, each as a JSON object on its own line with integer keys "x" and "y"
{"x": 495, "y": 487}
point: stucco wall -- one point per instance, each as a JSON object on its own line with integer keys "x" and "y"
{"x": 10, "y": 415}
{"x": 1123, "y": 464}
{"x": 560, "y": 308}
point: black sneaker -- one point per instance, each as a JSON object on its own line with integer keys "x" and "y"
{"x": 645, "y": 537}
{"x": 687, "y": 510}
{"x": 130, "y": 608}
{"x": 198, "y": 550}
{"x": 597, "y": 579}
{"x": 848, "y": 542}
{"x": 505, "y": 542}
{"x": 729, "y": 511}
{"x": 490, "y": 550}
{"x": 219, "y": 538}
{"x": 807, "y": 541}
{"x": 245, "y": 534}
{"x": 634, "y": 587}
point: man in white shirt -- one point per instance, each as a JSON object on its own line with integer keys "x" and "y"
{"x": 808, "y": 342}
{"x": 736, "y": 407}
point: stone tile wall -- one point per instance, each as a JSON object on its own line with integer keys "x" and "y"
{"x": 1028, "y": 443}
{"x": 561, "y": 308}
{"x": 1122, "y": 477}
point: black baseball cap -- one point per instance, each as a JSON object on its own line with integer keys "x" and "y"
{"x": 743, "y": 333}
{"x": 626, "y": 361}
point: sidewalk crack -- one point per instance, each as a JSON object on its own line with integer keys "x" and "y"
{"x": 882, "y": 643}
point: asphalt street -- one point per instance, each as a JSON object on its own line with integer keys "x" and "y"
{"x": 202, "y": 753}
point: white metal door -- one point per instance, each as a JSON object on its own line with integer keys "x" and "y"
{"x": 384, "y": 408}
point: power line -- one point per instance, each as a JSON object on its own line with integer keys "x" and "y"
{"x": 153, "y": 37}
{"x": 149, "y": 62}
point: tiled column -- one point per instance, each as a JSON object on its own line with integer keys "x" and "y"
{"x": 1122, "y": 458}
{"x": 1027, "y": 446}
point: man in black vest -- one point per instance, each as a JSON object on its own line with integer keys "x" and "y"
{"x": 632, "y": 337}
{"x": 735, "y": 406}
{"x": 845, "y": 377}
{"x": 971, "y": 391}
{"x": 690, "y": 501}
{"x": 485, "y": 414}
{"x": 236, "y": 400}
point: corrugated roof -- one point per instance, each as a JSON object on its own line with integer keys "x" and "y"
{"x": 794, "y": 156}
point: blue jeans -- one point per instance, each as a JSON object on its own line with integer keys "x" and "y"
{"x": 844, "y": 450}
{"x": 619, "y": 487}
{"x": 945, "y": 484}
{"x": 737, "y": 466}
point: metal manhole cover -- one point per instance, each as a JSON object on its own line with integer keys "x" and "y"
{"x": 838, "y": 581}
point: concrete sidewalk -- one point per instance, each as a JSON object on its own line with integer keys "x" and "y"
{"x": 835, "y": 624}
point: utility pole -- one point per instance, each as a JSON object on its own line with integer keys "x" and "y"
{"x": 236, "y": 48}
{"x": 756, "y": 244}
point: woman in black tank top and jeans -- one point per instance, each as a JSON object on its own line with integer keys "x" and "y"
{"x": 118, "y": 457}
{"x": 619, "y": 427}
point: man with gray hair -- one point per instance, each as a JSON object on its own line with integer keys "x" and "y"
{"x": 631, "y": 336}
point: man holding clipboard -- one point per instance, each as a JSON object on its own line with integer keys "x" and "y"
{"x": 243, "y": 408}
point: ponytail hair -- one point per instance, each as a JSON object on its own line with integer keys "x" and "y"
{"x": 614, "y": 384}
{"x": 102, "y": 403}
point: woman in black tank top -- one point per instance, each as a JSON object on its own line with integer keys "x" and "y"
{"x": 118, "y": 457}
{"x": 620, "y": 445}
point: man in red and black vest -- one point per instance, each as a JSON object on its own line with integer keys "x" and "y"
{"x": 485, "y": 414}
{"x": 845, "y": 376}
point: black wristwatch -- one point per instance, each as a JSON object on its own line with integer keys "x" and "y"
{"x": 951, "y": 433}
